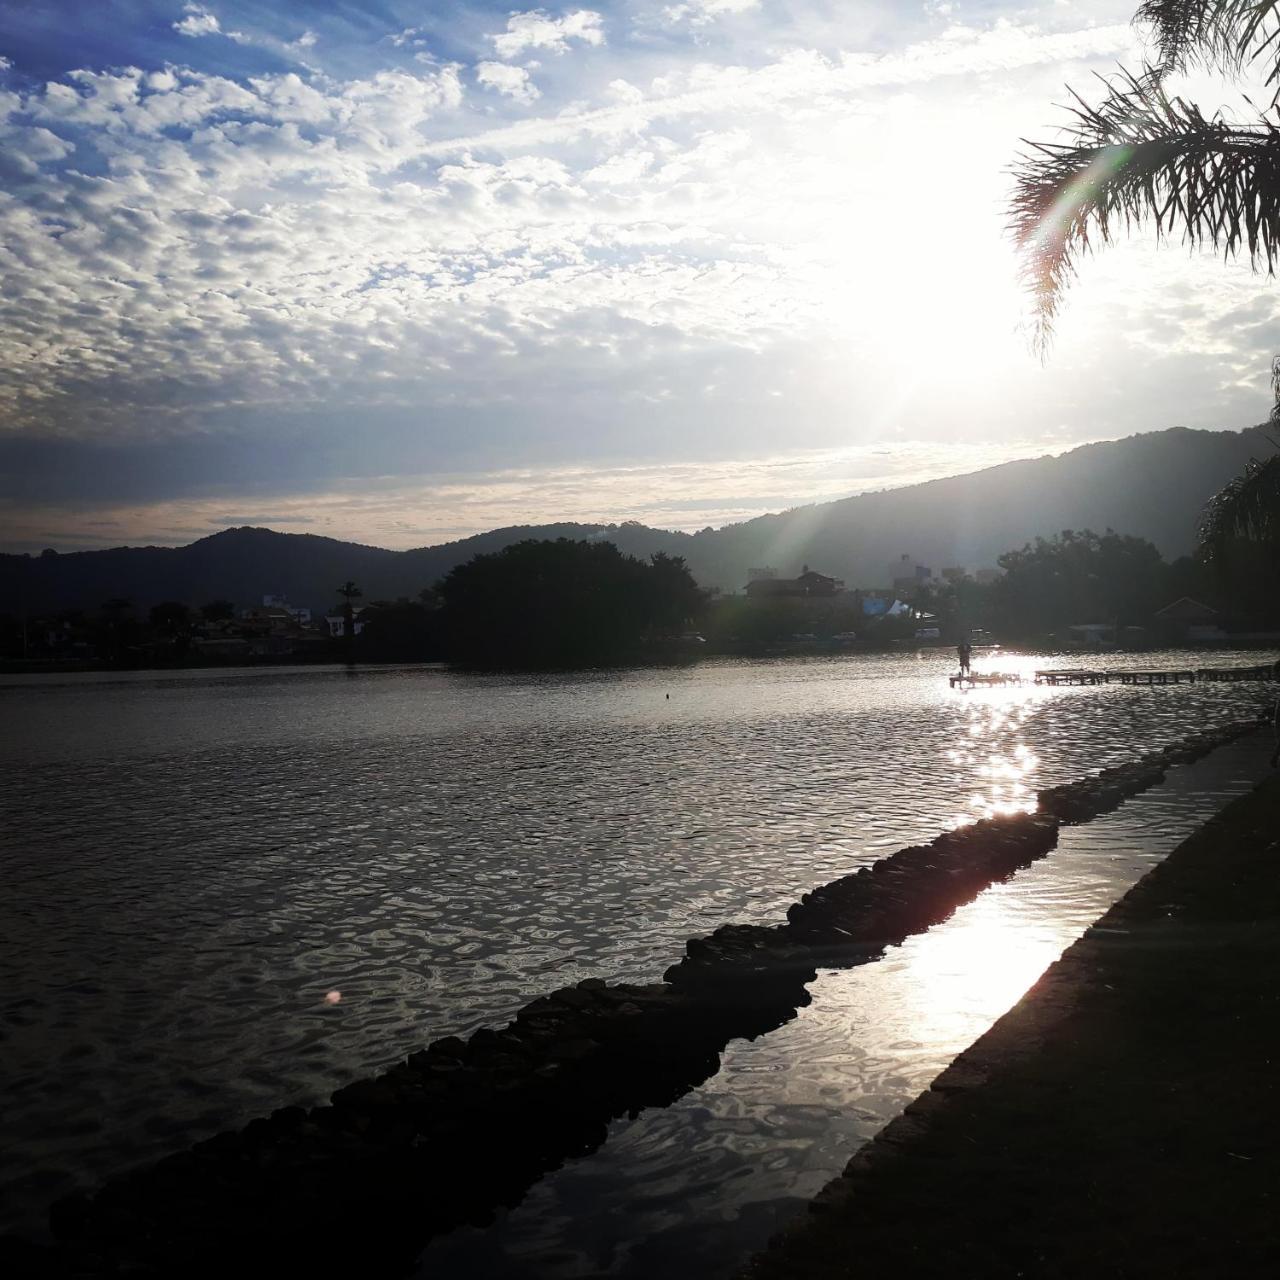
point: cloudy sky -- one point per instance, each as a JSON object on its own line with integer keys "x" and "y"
{"x": 402, "y": 270}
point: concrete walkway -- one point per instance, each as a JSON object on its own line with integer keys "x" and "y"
{"x": 1123, "y": 1120}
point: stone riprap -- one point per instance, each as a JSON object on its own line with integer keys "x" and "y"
{"x": 1119, "y": 1121}
{"x": 465, "y": 1127}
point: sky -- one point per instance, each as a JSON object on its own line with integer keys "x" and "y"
{"x": 401, "y": 271}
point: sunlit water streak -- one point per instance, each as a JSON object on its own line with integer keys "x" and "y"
{"x": 690, "y": 1191}
{"x": 193, "y": 862}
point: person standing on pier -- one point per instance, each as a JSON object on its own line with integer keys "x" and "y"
{"x": 964, "y": 649}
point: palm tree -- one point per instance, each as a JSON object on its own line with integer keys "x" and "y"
{"x": 349, "y": 592}
{"x": 1143, "y": 155}
{"x": 1248, "y": 507}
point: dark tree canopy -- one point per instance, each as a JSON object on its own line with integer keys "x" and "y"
{"x": 1077, "y": 577}
{"x": 561, "y": 604}
{"x": 170, "y": 616}
{"x": 402, "y": 631}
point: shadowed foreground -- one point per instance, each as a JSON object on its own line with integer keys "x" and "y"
{"x": 1121, "y": 1120}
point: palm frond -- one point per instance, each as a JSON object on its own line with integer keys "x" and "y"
{"x": 1247, "y": 508}
{"x": 1224, "y": 34}
{"x": 1143, "y": 156}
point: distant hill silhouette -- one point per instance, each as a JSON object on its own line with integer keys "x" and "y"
{"x": 1151, "y": 485}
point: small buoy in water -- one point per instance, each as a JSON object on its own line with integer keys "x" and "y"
{"x": 668, "y": 697}
{"x": 333, "y": 997}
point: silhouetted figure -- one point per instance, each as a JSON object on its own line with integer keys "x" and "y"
{"x": 964, "y": 649}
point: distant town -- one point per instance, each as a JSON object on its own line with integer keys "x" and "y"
{"x": 526, "y": 605}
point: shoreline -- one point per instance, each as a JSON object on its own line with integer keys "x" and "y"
{"x": 411, "y": 1152}
{"x": 1119, "y": 1120}
{"x": 632, "y": 659}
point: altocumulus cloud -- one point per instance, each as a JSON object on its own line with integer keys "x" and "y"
{"x": 582, "y": 237}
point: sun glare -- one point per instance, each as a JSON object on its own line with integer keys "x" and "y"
{"x": 975, "y": 967}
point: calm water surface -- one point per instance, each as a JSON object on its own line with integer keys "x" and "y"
{"x": 193, "y": 860}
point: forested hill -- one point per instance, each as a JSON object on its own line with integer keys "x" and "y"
{"x": 1151, "y": 485}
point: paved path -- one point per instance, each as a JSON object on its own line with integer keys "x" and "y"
{"x": 1123, "y": 1120}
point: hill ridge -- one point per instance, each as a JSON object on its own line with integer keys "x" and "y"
{"x": 1151, "y": 484}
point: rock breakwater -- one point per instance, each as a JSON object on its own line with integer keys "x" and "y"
{"x": 464, "y": 1127}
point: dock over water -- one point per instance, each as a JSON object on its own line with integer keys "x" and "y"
{"x": 985, "y": 680}
{"x": 1131, "y": 676}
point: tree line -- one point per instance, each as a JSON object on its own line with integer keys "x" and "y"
{"x": 541, "y": 604}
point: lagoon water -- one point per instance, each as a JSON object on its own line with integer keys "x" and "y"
{"x": 195, "y": 862}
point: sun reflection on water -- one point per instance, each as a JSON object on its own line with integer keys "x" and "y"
{"x": 994, "y": 765}
{"x": 975, "y": 968}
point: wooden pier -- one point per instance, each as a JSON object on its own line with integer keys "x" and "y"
{"x": 1082, "y": 675}
{"x": 1266, "y": 671}
{"x": 1071, "y": 675}
{"x": 1153, "y": 677}
{"x": 985, "y": 680}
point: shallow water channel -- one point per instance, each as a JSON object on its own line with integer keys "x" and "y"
{"x": 689, "y": 1191}
{"x": 193, "y": 861}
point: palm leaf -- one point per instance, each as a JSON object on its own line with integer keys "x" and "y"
{"x": 1144, "y": 156}
{"x": 1247, "y": 508}
{"x": 1222, "y": 34}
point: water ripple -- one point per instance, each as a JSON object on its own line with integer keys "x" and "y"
{"x": 194, "y": 861}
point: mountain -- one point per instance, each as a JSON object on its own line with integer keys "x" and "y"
{"x": 1152, "y": 485}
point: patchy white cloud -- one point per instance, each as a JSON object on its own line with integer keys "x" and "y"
{"x": 411, "y": 36}
{"x": 198, "y": 22}
{"x": 514, "y": 82}
{"x": 701, "y": 12}
{"x": 5, "y": 63}
{"x": 652, "y": 262}
{"x": 804, "y": 76}
{"x": 537, "y": 29}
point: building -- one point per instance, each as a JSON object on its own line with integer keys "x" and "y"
{"x": 1188, "y": 619}
{"x": 299, "y": 613}
{"x": 906, "y": 574}
{"x": 336, "y": 623}
{"x": 270, "y": 617}
{"x": 808, "y": 585}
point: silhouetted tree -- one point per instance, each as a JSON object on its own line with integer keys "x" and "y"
{"x": 119, "y": 627}
{"x": 171, "y": 621}
{"x": 1077, "y": 577}
{"x": 170, "y": 617}
{"x": 960, "y": 605}
{"x": 402, "y": 631}
{"x": 1241, "y": 523}
{"x": 675, "y": 599}
{"x": 560, "y": 603}
{"x": 218, "y": 611}
{"x": 349, "y": 592}
{"x": 1239, "y": 536}
{"x": 1246, "y": 509}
